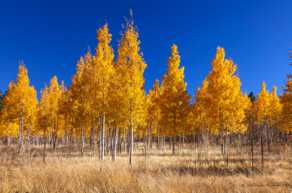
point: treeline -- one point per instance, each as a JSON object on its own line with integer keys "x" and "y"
{"x": 106, "y": 104}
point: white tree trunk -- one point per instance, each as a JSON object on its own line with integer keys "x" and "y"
{"x": 20, "y": 135}
{"x": 131, "y": 148}
{"x": 82, "y": 141}
{"x": 102, "y": 145}
{"x": 115, "y": 144}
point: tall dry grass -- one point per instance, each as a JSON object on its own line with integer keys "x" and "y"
{"x": 158, "y": 173}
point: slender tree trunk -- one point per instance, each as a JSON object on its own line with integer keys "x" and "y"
{"x": 145, "y": 145}
{"x": 222, "y": 145}
{"x": 20, "y": 136}
{"x": 173, "y": 145}
{"x": 115, "y": 144}
{"x": 268, "y": 139}
{"x": 92, "y": 134}
{"x": 262, "y": 153}
{"x": 252, "y": 151}
{"x": 82, "y": 141}
{"x": 120, "y": 143}
{"x": 102, "y": 140}
{"x": 131, "y": 144}
{"x": 28, "y": 142}
{"x": 45, "y": 148}
{"x": 183, "y": 141}
{"x": 226, "y": 148}
{"x": 65, "y": 138}
{"x": 54, "y": 140}
{"x": 158, "y": 140}
{"x": 8, "y": 141}
{"x": 149, "y": 137}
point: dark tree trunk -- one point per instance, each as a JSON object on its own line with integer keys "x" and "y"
{"x": 45, "y": 148}
{"x": 262, "y": 153}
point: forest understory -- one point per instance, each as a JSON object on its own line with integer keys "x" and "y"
{"x": 189, "y": 170}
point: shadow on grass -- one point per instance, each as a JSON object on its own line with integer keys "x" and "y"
{"x": 203, "y": 171}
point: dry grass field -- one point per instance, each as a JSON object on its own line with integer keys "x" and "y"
{"x": 160, "y": 172}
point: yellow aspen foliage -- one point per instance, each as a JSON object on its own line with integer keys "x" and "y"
{"x": 198, "y": 115}
{"x": 62, "y": 112}
{"x": 117, "y": 112}
{"x": 262, "y": 106}
{"x": 65, "y": 111}
{"x": 43, "y": 113}
{"x": 20, "y": 103}
{"x": 226, "y": 103}
{"x": 130, "y": 70}
{"x": 49, "y": 117}
{"x": 6, "y": 120}
{"x": 275, "y": 108}
{"x": 101, "y": 72}
{"x": 130, "y": 73}
{"x": 153, "y": 109}
{"x": 174, "y": 101}
{"x": 79, "y": 93}
{"x": 286, "y": 100}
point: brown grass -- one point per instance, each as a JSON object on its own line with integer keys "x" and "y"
{"x": 158, "y": 173}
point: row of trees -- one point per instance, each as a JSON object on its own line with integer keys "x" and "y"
{"x": 106, "y": 103}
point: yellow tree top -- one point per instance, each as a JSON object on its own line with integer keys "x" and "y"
{"x": 198, "y": 117}
{"x": 80, "y": 93}
{"x": 101, "y": 72}
{"x": 174, "y": 97}
{"x": 275, "y": 108}
{"x": 286, "y": 100}
{"x": 130, "y": 74}
{"x": 43, "y": 115}
{"x": 262, "y": 105}
{"x": 227, "y": 104}
{"x": 20, "y": 102}
{"x": 153, "y": 108}
{"x": 49, "y": 107}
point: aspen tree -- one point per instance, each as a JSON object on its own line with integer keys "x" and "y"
{"x": 62, "y": 114}
{"x": 20, "y": 104}
{"x": 174, "y": 98}
{"x": 251, "y": 122}
{"x": 199, "y": 119}
{"x": 130, "y": 69}
{"x": 262, "y": 105}
{"x": 49, "y": 121}
{"x": 9, "y": 124}
{"x": 65, "y": 112}
{"x": 275, "y": 108}
{"x": 227, "y": 104}
{"x": 153, "y": 113}
{"x": 54, "y": 95}
{"x": 102, "y": 71}
{"x": 8, "y": 127}
{"x": 80, "y": 91}
{"x": 44, "y": 118}
{"x": 117, "y": 118}
{"x": 286, "y": 100}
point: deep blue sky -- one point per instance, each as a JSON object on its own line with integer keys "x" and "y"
{"x": 51, "y": 35}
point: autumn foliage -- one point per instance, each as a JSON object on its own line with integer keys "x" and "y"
{"x": 106, "y": 104}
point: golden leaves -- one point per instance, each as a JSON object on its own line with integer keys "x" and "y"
{"x": 226, "y": 104}
{"x": 174, "y": 100}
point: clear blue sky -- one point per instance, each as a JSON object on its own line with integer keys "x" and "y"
{"x": 51, "y": 35}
